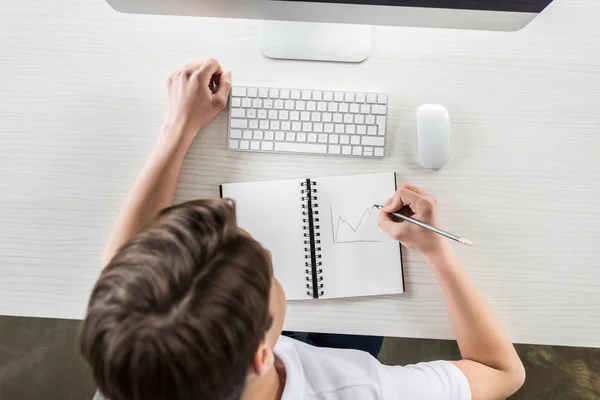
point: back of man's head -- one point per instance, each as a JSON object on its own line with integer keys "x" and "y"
{"x": 180, "y": 310}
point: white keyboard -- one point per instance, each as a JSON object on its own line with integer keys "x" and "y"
{"x": 271, "y": 120}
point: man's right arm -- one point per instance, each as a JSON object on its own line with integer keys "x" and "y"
{"x": 490, "y": 362}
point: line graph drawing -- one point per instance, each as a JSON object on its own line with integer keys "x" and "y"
{"x": 350, "y": 235}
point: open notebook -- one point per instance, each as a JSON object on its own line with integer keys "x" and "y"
{"x": 323, "y": 234}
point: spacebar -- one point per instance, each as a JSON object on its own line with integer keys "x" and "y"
{"x": 301, "y": 147}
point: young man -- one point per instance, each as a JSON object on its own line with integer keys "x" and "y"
{"x": 188, "y": 308}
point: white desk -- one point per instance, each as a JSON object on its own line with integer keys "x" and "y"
{"x": 82, "y": 98}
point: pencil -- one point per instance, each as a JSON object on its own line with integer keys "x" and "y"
{"x": 449, "y": 235}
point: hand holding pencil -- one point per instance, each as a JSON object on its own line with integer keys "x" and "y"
{"x": 419, "y": 231}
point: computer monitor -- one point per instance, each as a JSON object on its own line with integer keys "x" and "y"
{"x": 338, "y": 30}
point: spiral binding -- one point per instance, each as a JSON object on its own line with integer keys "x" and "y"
{"x": 312, "y": 239}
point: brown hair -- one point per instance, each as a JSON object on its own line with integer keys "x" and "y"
{"x": 180, "y": 310}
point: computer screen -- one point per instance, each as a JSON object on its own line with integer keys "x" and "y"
{"x": 528, "y": 6}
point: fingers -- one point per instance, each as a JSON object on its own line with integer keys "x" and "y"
{"x": 222, "y": 94}
{"x": 402, "y": 197}
{"x": 208, "y": 69}
{"x": 396, "y": 230}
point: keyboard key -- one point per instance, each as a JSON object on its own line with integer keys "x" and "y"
{"x": 344, "y": 139}
{"x": 257, "y": 103}
{"x": 275, "y": 125}
{"x": 279, "y": 136}
{"x": 367, "y": 150}
{"x": 238, "y": 123}
{"x": 365, "y": 109}
{"x": 295, "y": 95}
{"x": 244, "y": 145}
{"x": 296, "y": 126}
{"x": 318, "y": 127}
{"x": 328, "y": 96}
{"x": 382, "y": 99}
{"x": 373, "y": 141}
{"x": 301, "y": 137}
{"x": 258, "y": 135}
{"x": 236, "y": 102}
{"x": 263, "y": 93}
{"x": 254, "y": 145}
{"x": 273, "y": 114}
{"x": 311, "y": 106}
{"x": 279, "y": 104}
{"x": 349, "y": 98}
{"x": 294, "y": 116}
{"x": 262, "y": 114}
{"x": 338, "y": 97}
{"x": 268, "y": 104}
{"x": 348, "y": 118}
{"x": 248, "y": 134}
{"x": 306, "y": 95}
{"x": 289, "y": 104}
{"x": 360, "y": 98}
{"x": 321, "y": 106}
{"x": 327, "y": 117}
{"x": 371, "y": 98}
{"x": 322, "y": 138}
{"x": 371, "y": 130}
{"x": 267, "y": 146}
{"x": 251, "y": 113}
{"x": 378, "y": 152}
{"x": 370, "y": 120}
{"x": 246, "y": 102}
{"x": 237, "y": 91}
{"x": 274, "y": 93}
{"x": 332, "y": 107}
{"x": 238, "y": 113}
{"x": 307, "y": 127}
{"x": 357, "y": 151}
{"x": 317, "y": 95}
{"x": 286, "y": 125}
{"x": 379, "y": 109}
{"x": 283, "y": 114}
{"x": 361, "y": 130}
{"x": 339, "y": 128}
{"x": 290, "y": 137}
{"x": 284, "y": 94}
{"x": 351, "y": 129}
{"x": 252, "y": 92}
{"x": 329, "y": 128}
{"x": 264, "y": 124}
{"x": 304, "y": 116}
{"x": 347, "y": 150}
{"x": 234, "y": 144}
{"x": 300, "y": 105}
{"x": 312, "y": 137}
{"x": 301, "y": 147}
{"x": 381, "y": 125}
{"x": 269, "y": 135}
{"x": 334, "y": 149}
{"x": 343, "y": 107}
{"x": 333, "y": 139}
{"x": 368, "y": 153}
{"x": 359, "y": 119}
{"x": 354, "y": 139}
{"x": 315, "y": 117}
{"x": 337, "y": 118}
{"x": 235, "y": 134}
{"x": 354, "y": 108}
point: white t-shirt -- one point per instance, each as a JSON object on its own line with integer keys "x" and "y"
{"x": 332, "y": 374}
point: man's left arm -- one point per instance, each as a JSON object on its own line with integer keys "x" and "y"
{"x": 192, "y": 103}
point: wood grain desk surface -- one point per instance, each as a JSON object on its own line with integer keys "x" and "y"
{"x": 82, "y": 96}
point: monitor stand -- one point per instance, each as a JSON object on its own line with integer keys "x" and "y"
{"x": 316, "y": 41}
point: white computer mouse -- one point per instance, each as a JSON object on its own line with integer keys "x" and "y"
{"x": 433, "y": 135}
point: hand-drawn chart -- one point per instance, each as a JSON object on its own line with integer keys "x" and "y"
{"x": 360, "y": 228}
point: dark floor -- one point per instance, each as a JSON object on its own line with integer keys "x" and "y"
{"x": 39, "y": 360}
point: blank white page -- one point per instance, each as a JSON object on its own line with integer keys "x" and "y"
{"x": 359, "y": 259}
{"x": 272, "y": 213}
